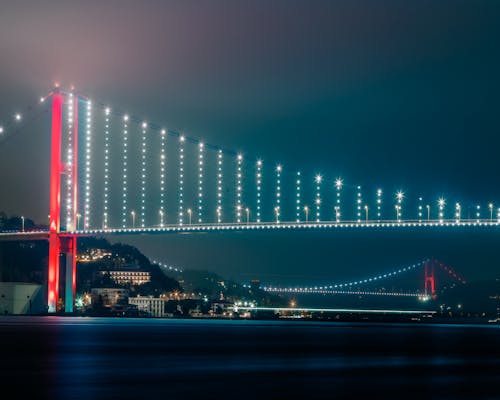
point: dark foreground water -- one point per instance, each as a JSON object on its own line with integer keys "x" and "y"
{"x": 101, "y": 358}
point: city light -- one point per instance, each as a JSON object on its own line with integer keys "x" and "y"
{"x": 18, "y": 117}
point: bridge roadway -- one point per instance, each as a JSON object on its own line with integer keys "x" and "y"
{"x": 264, "y": 226}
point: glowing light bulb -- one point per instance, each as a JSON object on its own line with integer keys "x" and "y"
{"x": 18, "y": 117}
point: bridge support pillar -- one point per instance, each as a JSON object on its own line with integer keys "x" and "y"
{"x": 429, "y": 279}
{"x": 55, "y": 202}
{"x": 69, "y": 250}
{"x": 62, "y": 245}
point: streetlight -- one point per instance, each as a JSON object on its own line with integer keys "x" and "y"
{"x": 190, "y": 213}
{"x": 78, "y": 216}
{"x": 366, "y": 212}
{"x": 490, "y": 206}
{"x": 133, "y": 218}
{"x": 161, "y": 218}
{"x": 22, "y": 223}
{"x": 428, "y": 212}
{"x": 277, "y": 212}
{"x": 247, "y": 210}
{"x": 306, "y": 210}
{"x": 397, "y": 207}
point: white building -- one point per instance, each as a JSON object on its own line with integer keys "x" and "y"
{"x": 154, "y": 306}
{"x": 21, "y": 298}
{"x": 123, "y": 276}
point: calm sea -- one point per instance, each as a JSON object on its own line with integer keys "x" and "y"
{"x": 106, "y": 358}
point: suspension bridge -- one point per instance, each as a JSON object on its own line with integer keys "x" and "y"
{"x": 115, "y": 173}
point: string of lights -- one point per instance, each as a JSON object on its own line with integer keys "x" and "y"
{"x": 106, "y": 167}
{"x": 349, "y": 284}
{"x": 200, "y": 182}
{"x": 88, "y": 136}
{"x": 163, "y": 160}
{"x": 219, "y": 185}
{"x": 181, "y": 179}
{"x": 239, "y": 188}
{"x": 124, "y": 171}
{"x": 259, "y": 189}
{"x": 298, "y": 196}
{"x": 69, "y": 162}
{"x": 277, "y": 205}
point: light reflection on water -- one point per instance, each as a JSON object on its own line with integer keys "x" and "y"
{"x": 65, "y": 357}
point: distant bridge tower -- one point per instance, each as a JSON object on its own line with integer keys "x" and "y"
{"x": 429, "y": 279}
{"x": 62, "y": 245}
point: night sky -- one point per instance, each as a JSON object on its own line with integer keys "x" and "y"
{"x": 397, "y": 94}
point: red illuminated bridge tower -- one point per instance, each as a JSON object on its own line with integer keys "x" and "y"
{"x": 62, "y": 247}
{"x": 429, "y": 279}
